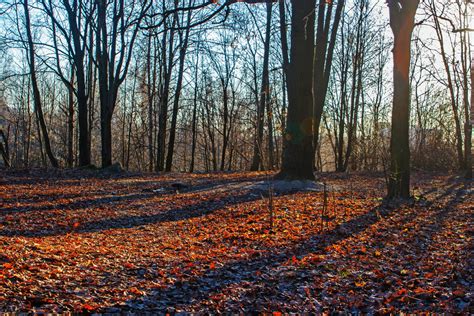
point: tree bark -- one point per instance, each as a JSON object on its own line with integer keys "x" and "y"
{"x": 70, "y": 124}
{"x": 297, "y": 160}
{"x": 323, "y": 58}
{"x": 4, "y": 148}
{"x": 179, "y": 85}
{"x": 257, "y": 161}
{"x": 402, "y": 20}
{"x": 468, "y": 127}
{"x": 163, "y": 111}
{"x": 36, "y": 92}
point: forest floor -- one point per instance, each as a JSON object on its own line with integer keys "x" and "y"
{"x": 75, "y": 241}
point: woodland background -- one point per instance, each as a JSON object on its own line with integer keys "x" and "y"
{"x": 199, "y": 86}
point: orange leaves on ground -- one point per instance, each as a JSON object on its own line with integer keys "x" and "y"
{"x": 294, "y": 260}
{"x": 88, "y": 307}
{"x": 8, "y": 265}
{"x": 360, "y": 283}
{"x": 135, "y": 291}
{"x": 313, "y": 259}
{"x": 336, "y": 248}
{"x": 129, "y": 265}
{"x": 139, "y": 247}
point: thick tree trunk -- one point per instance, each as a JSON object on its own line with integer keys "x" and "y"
{"x": 82, "y": 104}
{"x": 297, "y": 162}
{"x": 104, "y": 87}
{"x": 83, "y": 121}
{"x": 402, "y": 23}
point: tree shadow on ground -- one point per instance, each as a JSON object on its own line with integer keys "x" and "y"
{"x": 193, "y": 210}
{"x": 193, "y": 290}
{"x": 183, "y": 295}
{"x": 141, "y": 190}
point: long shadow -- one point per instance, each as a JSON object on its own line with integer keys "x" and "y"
{"x": 195, "y": 289}
{"x": 176, "y": 214}
{"x": 38, "y": 177}
{"x": 145, "y": 191}
{"x": 76, "y": 205}
{"x": 214, "y": 281}
{"x": 33, "y": 177}
{"x": 418, "y": 250}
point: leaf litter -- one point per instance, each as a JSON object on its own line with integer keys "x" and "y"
{"x": 72, "y": 242}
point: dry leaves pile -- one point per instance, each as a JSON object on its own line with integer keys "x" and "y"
{"x": 74, "y": 242}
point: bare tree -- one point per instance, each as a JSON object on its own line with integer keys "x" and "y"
{"x": 114, "y": 48}
{"x": 257, "y": 161}
{"x": 36, "y": 92}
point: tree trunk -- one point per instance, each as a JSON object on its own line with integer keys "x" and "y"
{"x": 257, "y": 161}
{"x": 82, "y": 97}
{"x": 179, "y": 85}
{"x": 163, "y": 111}
{"x": 4, "y": 148}
{"x": 402, "y": 16}
{"x": 36, "y": 92}
{"x": 70, "y": 124}
{"x": 468, "y": 126}
{"x": 452, "y": 93}
{"x": 225, "y": 133}
{"x": 151, "y": 75}
{"x": 194, "y": 122}
{"x": 297, "y": 160}
{"x": 323, "y": 58}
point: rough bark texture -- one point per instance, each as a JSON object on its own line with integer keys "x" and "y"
{"x": 297, "y": 162}
{"x": 402, "y": 17}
